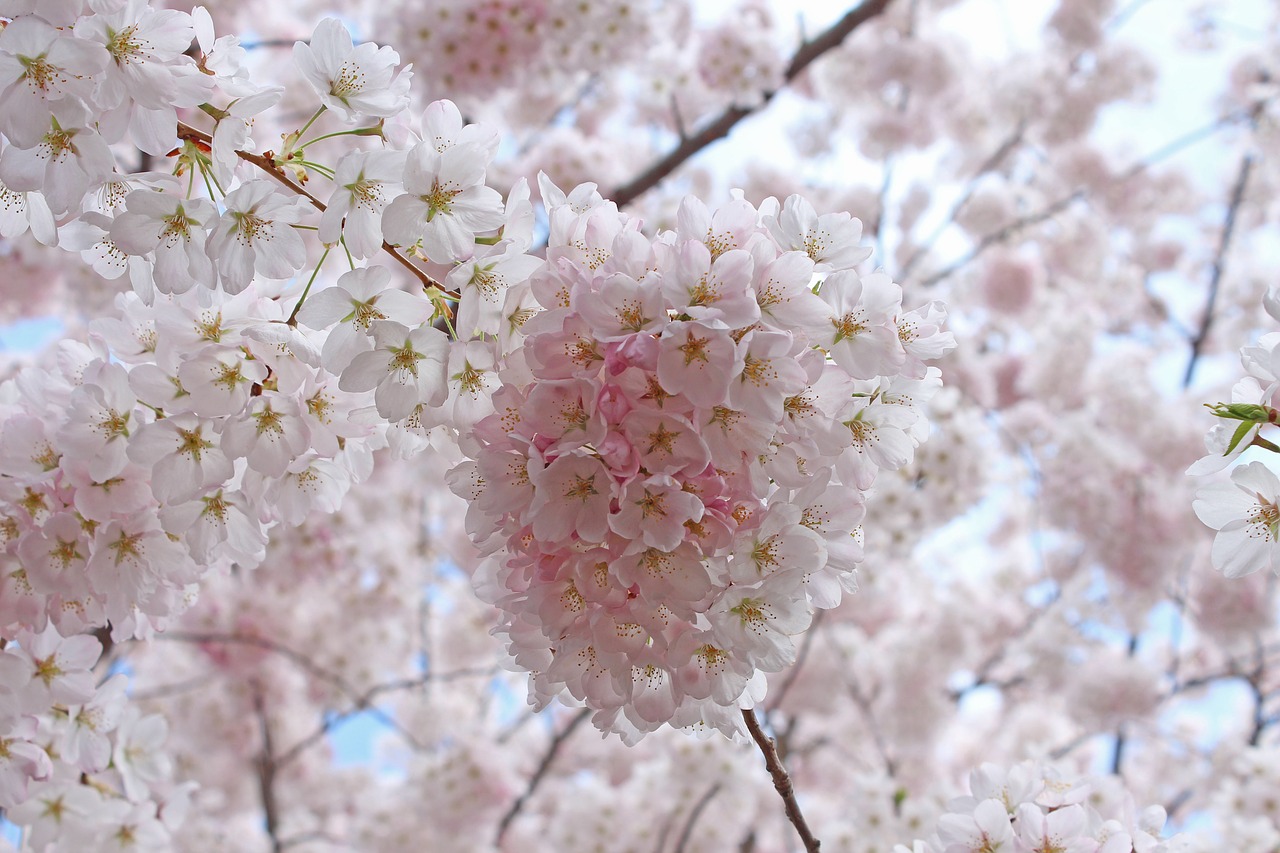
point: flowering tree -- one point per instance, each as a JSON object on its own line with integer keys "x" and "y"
{"x": 449, "y": 384}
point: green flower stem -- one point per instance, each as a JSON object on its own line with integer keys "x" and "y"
{"x": 293, "y": 315}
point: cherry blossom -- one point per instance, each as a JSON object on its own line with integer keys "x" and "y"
{"x": 353, "y": 81}
{"x": 711, "y": 476}
{"x": 253, "y": 236}
{"x": 1245, "y": 514}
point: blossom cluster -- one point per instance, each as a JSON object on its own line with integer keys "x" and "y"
{"x": 217, "y": 401}
{"x": 77, "y": 764}
{"x": 1032, "y": 808}
{"x": 1246, "y": 511}
{"x": 675, "y": 473}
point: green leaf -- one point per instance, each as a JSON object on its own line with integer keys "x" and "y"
{"x": 1241, "y": 432}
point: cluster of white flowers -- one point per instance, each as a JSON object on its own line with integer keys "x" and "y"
{"x": 667, "y": 441}
{"x": 674, "y": 477}
{"x": 77, "y": 764}
{"x": 1033, "y": 808}
{"x": 218, "y": 401}
{"x": 698, "y": 413}
{"x": 1246, "y": 511}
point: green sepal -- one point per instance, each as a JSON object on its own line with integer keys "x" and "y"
{"x": 1251, "y": 412}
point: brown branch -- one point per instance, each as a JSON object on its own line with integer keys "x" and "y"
{"x": 1219, "y": 265}
{"x": 162, "y": 690}
{"x": 1003, "y": 233}
{"x": 781, "y": 781}
{"x": 719, "y": 127}
{"x": 982, "y": 675}
{"x": 277, "y": 43}
{"x": 1122, "y": 736}
{"x": 543, "y": 766}
{"x": 187, "y": 132}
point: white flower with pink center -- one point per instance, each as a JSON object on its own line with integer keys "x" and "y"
{"x": 861, "y": 334}
{"x": 183, "y": 453}
{"x": 351, "y": 307}
{"x": 446, "y": 203}
{"x": 831, "y": 240}
{"x": 654, "y": 510}
{"x": 352, "y": 80}
{"x": 365, "y": 183}
{"x": 101, "y": 418}
{"x": 66, "y": 160}
{"x": 713, "y": 289}
{"x": 1246, "y": 514}
{"x": 406, "y": 368}
{"x": 173, "y": 231}
{"x": 758, "y": 622}
{"x": 986, "y": 829}
{"x": 698, "y": 360}
{"x": 256, "y": 236}
{"x": 571, "y": 496}
{"x": 40, "y": 66}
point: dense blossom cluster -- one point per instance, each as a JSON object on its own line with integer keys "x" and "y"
{"x": 685, "y": 426}
{"x": 207, "y": 410}
{"x": 78, "y": 765}
{"x": 674, "y": 479}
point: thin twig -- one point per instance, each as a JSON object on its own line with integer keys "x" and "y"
{"x": 877, "y": 737}
{"x": 255, "y": 45}
{"x": 304, "y": 662}
{"x": 1000, "y": 235}
{"x": 719, "y": 127}
{"x": 997, "y": 157}
{"x": 1117, "y": 753}
{"x": 694, "y": 814}
{"x": 267, "y": 775}
{"x": 781, "y": 781}
{"x": 982, "y": 675}
{"x": 1260, "y": 720}
{"x": 1219, "y": 264}
{"x": 160, "y": 691}
{"x": 543, "y": 766}
{"x": 186, "y": 131}
{"x": 775, "y": 701}
{"x": 365, "y": 701}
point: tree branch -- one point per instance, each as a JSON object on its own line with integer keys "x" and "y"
{"x": 719, "y": 127}
{"x": 358, "y": 700}
{"x": 365, "y": 702}
{"x": 1005, "y": 148}
{"x": 1003, "y": 233}
{"x": 775, "y": 701}
{"x": 781, "y": 781}
{"x": 187, "y": 132}
{"x": 694, "y": 814}
{"x": 267, "y": 776}
{"x": 1219, "y": 265}
{"x": 543, "y": 766}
